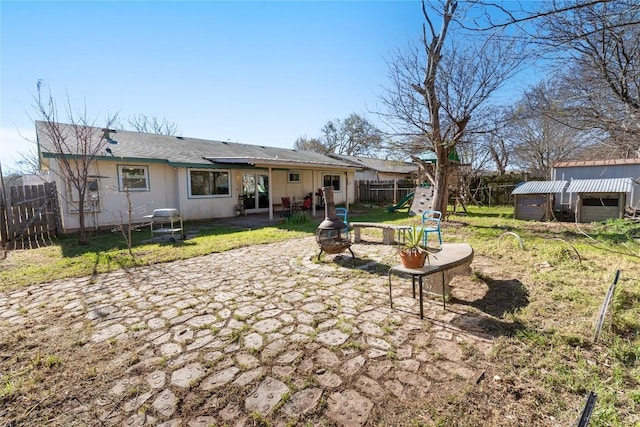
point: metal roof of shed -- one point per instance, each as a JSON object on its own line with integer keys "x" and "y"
{"x": 610, "y": 185}
{"x": 606, "y": 162}
{"x": 540, "y": 187}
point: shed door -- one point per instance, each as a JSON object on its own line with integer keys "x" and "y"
{"x": 600, "y": 207}
{"x": 531, "y": 207}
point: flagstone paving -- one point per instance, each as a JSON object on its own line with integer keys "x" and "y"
{"x": 264, "y": 332}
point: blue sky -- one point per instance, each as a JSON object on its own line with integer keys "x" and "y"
{"x": 254, "y": 72}
{"x": 262, "y": 72}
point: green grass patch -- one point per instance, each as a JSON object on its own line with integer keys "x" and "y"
{"x": 539, "y": 303}
{"x": 107, "y": 252}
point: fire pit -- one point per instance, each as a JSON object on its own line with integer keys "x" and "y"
{"x": 331, "y": 235}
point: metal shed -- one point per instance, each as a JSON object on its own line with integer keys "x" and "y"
{"x": 600, "y": 199}
{"x": 600, "y": 169}
{"x": 534, "y": 200}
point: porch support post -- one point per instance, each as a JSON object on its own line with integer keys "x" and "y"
{"x": 313, "y": 192}
{"x": 346, "y": 190}
{"x": 270, "y": 194}
{"x": 395, "y": 191}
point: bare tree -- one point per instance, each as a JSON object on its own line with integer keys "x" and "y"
{"x": 541, "y": 131}
{"x": 128, "y": 228}
{"x": 596, "y": 46}
{"x": 603, "y": 81}
{"x": 489, "y": 141}
{"x": 310, "y": 144}
{"x": 494, "y": 15}
{"x": 75, "y": 147}
{"x": 153, "y": 124}
{"x": 353, "y": 136}
{"x": 499, "y": 150}
{"x": 331, "y": 135}
{"x": 435, "y": 90}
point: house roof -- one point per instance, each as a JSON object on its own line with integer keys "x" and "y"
{"x": 185, "y": 151}
{"x": 610, "y": 162}
{"x": 540, "y": 187}
{"x": 610, "y": 185}
{"x": 380, "y": 165}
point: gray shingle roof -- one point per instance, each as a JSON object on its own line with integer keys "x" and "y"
{"x": 184, "y": 151}
{"x": 609, "y": 185}
{"x": 540, "y": 187}
{"x": 380, "y": 165}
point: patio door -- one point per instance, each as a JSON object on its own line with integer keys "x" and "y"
{"x": 255, "y": 192}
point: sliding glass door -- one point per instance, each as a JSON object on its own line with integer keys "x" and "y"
{"x": 255, "y": 192}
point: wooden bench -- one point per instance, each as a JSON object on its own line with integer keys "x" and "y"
{"x": 388, "y": 231}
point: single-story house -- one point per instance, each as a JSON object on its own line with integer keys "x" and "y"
{"x": 202, "y": 179}
{"x": 370, "y": 169}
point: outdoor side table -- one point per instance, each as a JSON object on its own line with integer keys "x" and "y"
{"x": 417, "y": 273}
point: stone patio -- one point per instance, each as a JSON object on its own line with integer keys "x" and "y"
{"x": 263, "y": 332}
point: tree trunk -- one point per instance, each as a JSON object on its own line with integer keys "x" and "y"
{"x": 82, "y": 235}
{"x": 441, "y": 190}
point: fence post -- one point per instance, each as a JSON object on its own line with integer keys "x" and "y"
{"x": 53, "y": 192}
{"x": 4, "y": 218}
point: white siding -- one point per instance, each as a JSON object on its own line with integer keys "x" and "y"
{"x": 112, "y": 206}
{"x": 168, "y": 188}
{"x": 603, "y": 172}
{"x": 207, "y": 207}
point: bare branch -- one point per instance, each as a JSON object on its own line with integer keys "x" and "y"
{"x": 153, "y": 124}
{"x": 75, "y": 147}
{"x": 533, "y": 15}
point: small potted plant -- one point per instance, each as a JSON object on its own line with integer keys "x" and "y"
{"x": 413, "y": 254}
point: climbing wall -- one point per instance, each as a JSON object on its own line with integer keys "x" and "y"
{"x": 422, "y": 200}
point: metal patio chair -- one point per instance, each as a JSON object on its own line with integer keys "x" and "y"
{"x": 343, "y": 214}
{"x": 431, "y": 224}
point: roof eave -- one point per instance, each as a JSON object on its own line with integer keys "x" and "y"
{"x": 256, "y": 161}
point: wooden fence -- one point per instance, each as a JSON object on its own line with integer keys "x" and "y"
{"x": 29, "y": 215}
{"x": 383, "y": 191}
